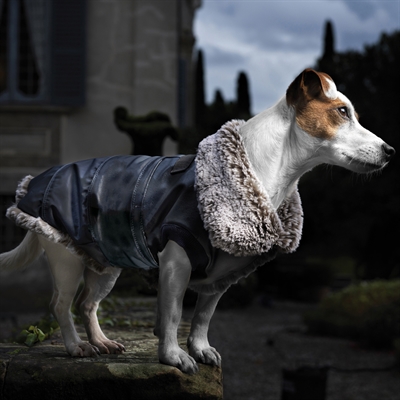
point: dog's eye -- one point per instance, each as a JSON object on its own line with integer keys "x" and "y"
{"x": 343, "y": 111}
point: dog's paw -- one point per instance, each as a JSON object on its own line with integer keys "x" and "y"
{"x": 179, "y": 359}
{"x": 107, "y": 346}
{"x": 82, "y": 349}
{"x": 205, "y": 354}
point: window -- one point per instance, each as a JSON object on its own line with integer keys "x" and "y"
{"x": 24, "y": 44}
{"x": 42, "y": 52}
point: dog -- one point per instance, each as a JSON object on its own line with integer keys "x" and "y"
{"x": 232, "y": 207}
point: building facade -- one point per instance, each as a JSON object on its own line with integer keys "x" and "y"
{"x": 66, "y": 64}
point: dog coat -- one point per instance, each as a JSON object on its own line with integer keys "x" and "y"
{"x": 122, "y": 210}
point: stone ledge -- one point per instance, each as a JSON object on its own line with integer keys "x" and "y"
{"x": 45, "y": 371}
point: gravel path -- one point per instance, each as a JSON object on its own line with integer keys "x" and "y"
{"x": 253, "y": 369}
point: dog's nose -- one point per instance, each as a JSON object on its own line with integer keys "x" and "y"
{"x": 388, "y": 150}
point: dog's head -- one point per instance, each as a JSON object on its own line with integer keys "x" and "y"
{"x": 327, "y": 115}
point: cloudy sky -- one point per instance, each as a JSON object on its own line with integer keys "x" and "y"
{"x": 274, "y": 40}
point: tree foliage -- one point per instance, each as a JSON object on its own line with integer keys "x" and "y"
{"x": 199, "y": 92}
{"x": 243, "y": 96}
{"x": 210, "y": 117}
{"x": 360, "y": 215}
{"x": 329, "y": 42}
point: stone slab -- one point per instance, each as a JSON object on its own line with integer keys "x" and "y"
{"x": 45, "y": 371}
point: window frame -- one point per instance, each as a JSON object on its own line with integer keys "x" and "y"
{"x": 12, "y": 94}
{"x": 64, "y": 86}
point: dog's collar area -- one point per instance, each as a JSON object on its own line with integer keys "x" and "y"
{"x": 236, "y": 210}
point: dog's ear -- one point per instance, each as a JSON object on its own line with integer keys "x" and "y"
{"x": 308, "y": 85}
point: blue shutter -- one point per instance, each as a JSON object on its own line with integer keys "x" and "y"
{"x": 68, "y": 49}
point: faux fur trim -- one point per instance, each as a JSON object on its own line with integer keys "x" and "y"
{"x": 41, "y": 227}
{"x": 235, "y": 208}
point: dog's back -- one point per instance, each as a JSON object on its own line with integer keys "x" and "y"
{"x": 117, "y": 211}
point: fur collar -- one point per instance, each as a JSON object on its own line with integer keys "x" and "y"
{"x": 236, "y": 210}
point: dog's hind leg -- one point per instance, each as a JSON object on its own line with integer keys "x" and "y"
{"x": 67, "y": 271}
{"x": 197, "y": 342}
{"x": 175, "y": 270}
{"x": 96, "y": 289}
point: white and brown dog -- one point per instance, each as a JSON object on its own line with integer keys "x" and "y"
{"x": 244, "y": 192}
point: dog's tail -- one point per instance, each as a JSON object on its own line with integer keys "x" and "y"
{"x": 27, "y": 251}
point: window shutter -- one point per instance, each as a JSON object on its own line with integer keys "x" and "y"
{"x": 68, "y": 48}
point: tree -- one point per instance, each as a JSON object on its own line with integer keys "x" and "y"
{"x": 199, "y": 101}
{"x": 210, "y": 117}
{"x": 242, "y": 96}
{"x": 329, "y": 41}
{"x": 219, "y": 99}
{"x": 327, "y": 61}
{"x": 368, "y": 208}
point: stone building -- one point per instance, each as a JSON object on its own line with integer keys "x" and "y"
{"x": 66, "y": 64}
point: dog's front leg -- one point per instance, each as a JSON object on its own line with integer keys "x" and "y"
{"x": 197, "y": 342}
{"x": 175, "y": 270}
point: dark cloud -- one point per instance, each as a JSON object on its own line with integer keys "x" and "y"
{"x": 367, "y": 9}
{"x": 290, "y": 41}
{"x": 274, "y": 40}
{"x": 219, "y": 57}
{"x": 363, "y": 9}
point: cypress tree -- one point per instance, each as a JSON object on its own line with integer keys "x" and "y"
{"x": 329, "y": 42}
{"x": 242, "y": 96}
{"x": 199, "y": 95}
{"x": 219, "y": 99}
{"x": 327, "y": 62}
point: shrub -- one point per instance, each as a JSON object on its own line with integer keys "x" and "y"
{"x": 381, "y": 325}
{"x": 368, "y": 311}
